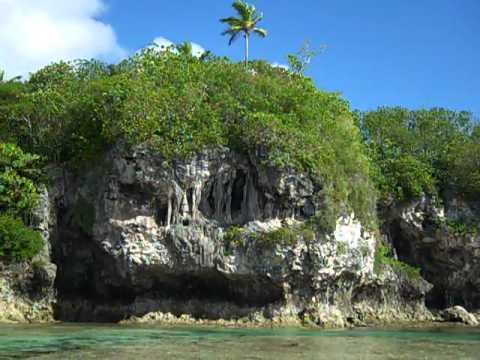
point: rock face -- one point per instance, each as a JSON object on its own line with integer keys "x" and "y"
{"x": 27, "y": 291}
{"x": 436, "y": 239}
{"x": 216, "y": 237}
{"x": 459, "y": 314}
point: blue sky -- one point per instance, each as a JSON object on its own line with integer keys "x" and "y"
{"x": 414, "y": 53}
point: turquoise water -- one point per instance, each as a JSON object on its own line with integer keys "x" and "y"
{"x": 69, "y": 341}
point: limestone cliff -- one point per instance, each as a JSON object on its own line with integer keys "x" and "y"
{"x": 443, "y": 239}
{"x": 218, "y": 236}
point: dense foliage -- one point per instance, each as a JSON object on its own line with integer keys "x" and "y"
{"x": 179, "y": 104}
{"x": 20, "y": 177}
{"x": 423, "y": 151}
{"x": 17, "y": 241}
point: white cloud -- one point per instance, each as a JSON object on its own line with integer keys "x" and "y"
{"x": 281, "y": 66}
{"x": 163, "y": 43}
{"x": 197, "y": 50}
{"x": 34, "y": 33}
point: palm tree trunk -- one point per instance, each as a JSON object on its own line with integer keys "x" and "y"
{"x": 247, "y": 38}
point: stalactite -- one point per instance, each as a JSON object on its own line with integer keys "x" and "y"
{"x": 169, "y": 208}
{"x": 184, "y": 207}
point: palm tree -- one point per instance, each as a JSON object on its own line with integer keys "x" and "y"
{"x": 245, "y": 24}
{"x": 185, "y": 48}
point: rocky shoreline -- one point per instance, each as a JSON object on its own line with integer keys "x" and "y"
{"x": 435, "y": 321}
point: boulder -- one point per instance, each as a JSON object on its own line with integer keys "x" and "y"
{"x": 459, "y": 314}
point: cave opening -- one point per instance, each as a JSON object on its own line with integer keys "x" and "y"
{"x": 211, "y": 201}
{"x": 207, "y": 201}
{"x": 421, "y": 257}
{"x": 211, "y": 286}
{"x": 92, "y": 297}
{"x": 238, "y": 194}
{"x": 190, "y": 200}
{"x": 437, "y": 298}
{"x": 161, "y": 215}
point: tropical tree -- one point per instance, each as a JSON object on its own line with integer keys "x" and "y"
{"x": 298, "y": 62}
{"x": 185, "y": 48}
{"x": 245, "y": 24}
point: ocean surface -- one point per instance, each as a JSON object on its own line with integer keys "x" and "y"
{"x": 87, "y": 341}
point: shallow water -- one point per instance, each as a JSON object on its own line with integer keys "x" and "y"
{"x": 74, "y": 341}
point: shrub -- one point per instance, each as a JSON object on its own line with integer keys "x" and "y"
{"x": 342, "y": 248}
{"x": 234, "y": 236}
{"x": 20, "y": 176}
{"x": 384, "y": 257}
{"x": 17, "y": 241}
{"x": 460, "y": 226}
{"x": 285, "y": 236}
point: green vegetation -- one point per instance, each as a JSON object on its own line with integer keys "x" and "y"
{"x": 460, "y": 226}
{"x": 384, "y": 257}
{"x": 341, "y": 248}
{"x": 17, "y": 241}
{"x": 236, "y": 236}
{"x": 285, "y": 236}
{"x": 178, "y": 104}
{"x": 423, "y": 151}
{"x": 20, "y": 177}
{"x": 245, "y": 24}
{"x": 299, "y": 61}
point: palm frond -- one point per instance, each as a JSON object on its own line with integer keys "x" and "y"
{"x": 233, "y": 29}
{"x": 243, "y": 9}
{"x": 261, "y": 32}
{"x": 233, "y": 35}
{"x": 257, "y": 18}
{"x": 233, "y": 38}
{"x": 184, "y": 48}
{"x": 231, "y": 20}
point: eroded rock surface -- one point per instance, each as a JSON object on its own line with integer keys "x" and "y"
{"x": 27, "y": 292}
{"x": 444, "y": 241}
{"x": 137, "y": 235}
